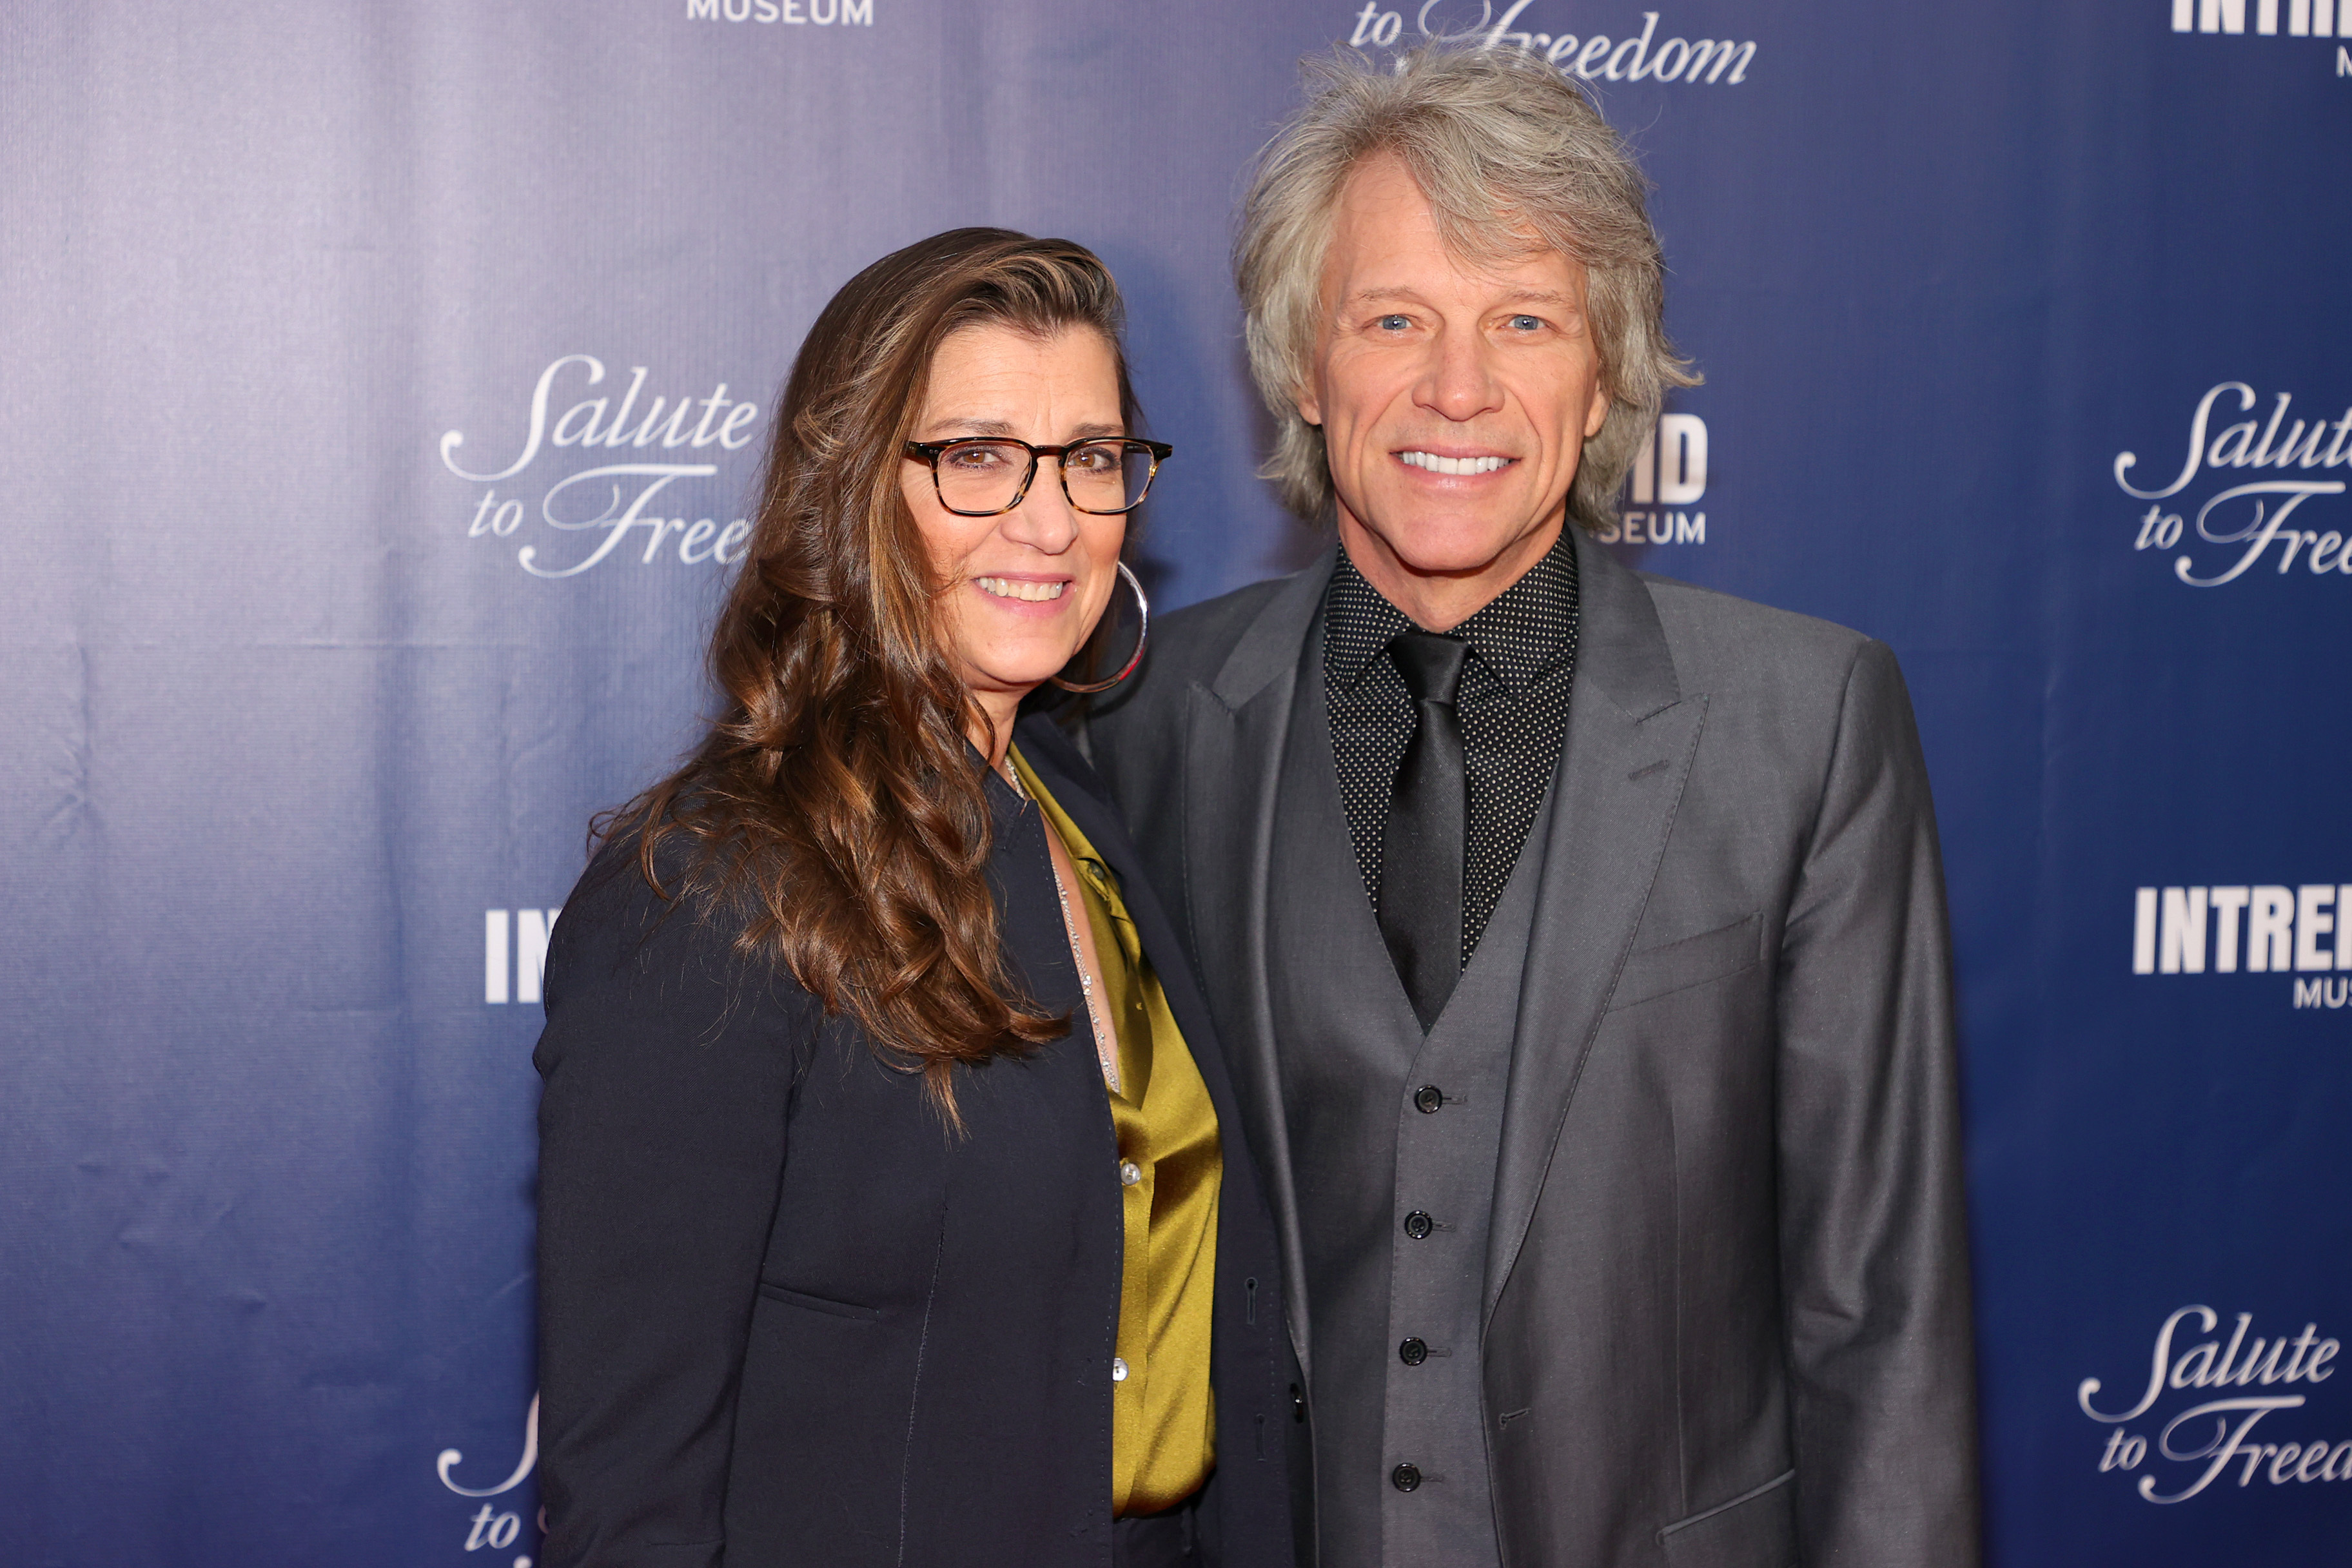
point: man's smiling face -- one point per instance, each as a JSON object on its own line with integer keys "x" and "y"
{"x": 1455, "y": 399}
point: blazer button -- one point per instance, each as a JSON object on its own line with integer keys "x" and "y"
{"x": 1428, "y": 1097}
{"x": 1418, "y": 1225}
{"x": 1404, "y": 1478}
{"x": 1413, "y": 1353}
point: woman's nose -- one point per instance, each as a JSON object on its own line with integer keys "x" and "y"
{"x": 1045, "y": 519}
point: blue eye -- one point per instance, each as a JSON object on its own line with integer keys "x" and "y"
{"x": 1528, "y": 323}
{"x": 1393, "y": 324}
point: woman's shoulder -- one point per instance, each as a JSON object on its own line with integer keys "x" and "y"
{"x": 662, "y": 919}
{"x": 624, "y": 889}
{"x": 659, "y": 1020}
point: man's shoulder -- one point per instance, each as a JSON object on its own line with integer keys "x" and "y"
{"x": 1196, "y": 638}
{"x": 1187, "y": 647}
{"x": 1719, "y": 640}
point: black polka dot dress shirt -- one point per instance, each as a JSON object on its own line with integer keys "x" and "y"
{"x": 1512, "y": 707}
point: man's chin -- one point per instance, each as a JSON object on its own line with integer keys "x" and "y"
{"x": 1450, "y": 548}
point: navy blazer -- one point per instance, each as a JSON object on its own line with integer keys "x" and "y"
{"x": 787, "y": 1318}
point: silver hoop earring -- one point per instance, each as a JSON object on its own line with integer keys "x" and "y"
{"x": 1142, "y": 636}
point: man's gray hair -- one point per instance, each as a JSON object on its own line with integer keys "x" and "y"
{"x": 1502, "y": 145}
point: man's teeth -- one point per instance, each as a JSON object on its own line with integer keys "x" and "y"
{"x": 1007, "y": 588}
{"x": 1437, "y": 465}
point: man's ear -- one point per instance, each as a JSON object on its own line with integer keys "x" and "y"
{"x": 1309, "y": 406}
{"x": 1597, "y": 413}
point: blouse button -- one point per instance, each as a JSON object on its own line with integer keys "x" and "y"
{"x": 1117, "y": 1369}
{"x": 1130, "y": 1172}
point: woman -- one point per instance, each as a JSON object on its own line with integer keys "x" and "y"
{"x": 892, "y": 1204}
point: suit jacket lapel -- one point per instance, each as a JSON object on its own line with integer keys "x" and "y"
{"x": 1236, "y": 727}
{"x": 1078, "y": 791}
{"x": 1632, "y": 733}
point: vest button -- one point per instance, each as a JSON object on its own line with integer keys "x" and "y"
{"x": 1117, "y": 1369}
{"x": 1404, "y": 1478}
{"x": 1418, "y": 1225}
{"x": 1130, "y": 1172}
{"x": 1413, "y": 1353}
{"x": 1428, "y": 1097}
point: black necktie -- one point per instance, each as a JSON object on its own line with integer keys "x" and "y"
{"x": 1420, "y": 854}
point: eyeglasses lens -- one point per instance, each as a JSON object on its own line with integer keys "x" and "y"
{"x": 1107, "y": 476}
{"x": 982, "y": 477}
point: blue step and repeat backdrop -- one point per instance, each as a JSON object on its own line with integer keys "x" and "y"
{"x": 383, "y": 388}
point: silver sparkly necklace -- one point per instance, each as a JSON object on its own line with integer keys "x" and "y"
{"x": 1105, "y": 1051}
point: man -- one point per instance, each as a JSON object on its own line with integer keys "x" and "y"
{"x": 1579, "y": 936}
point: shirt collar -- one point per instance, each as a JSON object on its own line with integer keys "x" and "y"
{"x": 1520, "y": 637}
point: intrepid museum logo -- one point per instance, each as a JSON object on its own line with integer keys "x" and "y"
{"x": 804, "y": 12}
{"x": 2199, "y": 1421}
{"x": 2243, "y": 524}
{"x": 1635, "y": 53}
{"x": 523, "y": 957}
{"x": 1669, "y": 478}
{"x": 2264, "y": 927}
{"x": 2304, "y": 18}
{"x": 584, "y": 515}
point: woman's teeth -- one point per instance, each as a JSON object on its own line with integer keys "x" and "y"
{"x": 1008, "y": 588}
{"x": 1437, "y": 465}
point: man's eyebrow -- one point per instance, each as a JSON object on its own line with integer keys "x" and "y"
{"x": 1516, "y": 297}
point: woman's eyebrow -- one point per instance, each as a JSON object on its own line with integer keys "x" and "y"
{"x": 1003, "y": 428}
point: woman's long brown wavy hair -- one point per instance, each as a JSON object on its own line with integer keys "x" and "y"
{"x": 835, "y": 802}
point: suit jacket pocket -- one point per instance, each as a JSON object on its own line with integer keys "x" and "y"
{"x": 1756, "y": 1528}
{"x": 1655, "y": 971}
{"x": 830, "y": 1308}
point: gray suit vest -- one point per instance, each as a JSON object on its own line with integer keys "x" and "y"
{"x": 1395, "y": 1138}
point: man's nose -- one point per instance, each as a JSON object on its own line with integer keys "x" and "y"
{"x": 1459, "y": 383}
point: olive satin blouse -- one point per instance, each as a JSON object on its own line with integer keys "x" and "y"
{"x": 1163, "y": 1429}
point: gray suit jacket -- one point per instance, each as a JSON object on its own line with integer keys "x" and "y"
{"x": 1727, "y": 1314}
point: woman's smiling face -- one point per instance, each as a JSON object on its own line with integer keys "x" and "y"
{"x": 1023, "y": 589}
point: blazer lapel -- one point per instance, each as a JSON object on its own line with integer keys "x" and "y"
{"x": 1078, "y": 791}
{"x": 1632, "y": 733}
{"x": 1236, "y": 727}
